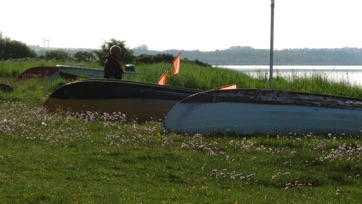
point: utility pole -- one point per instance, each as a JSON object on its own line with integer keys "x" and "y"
{"x": 271, "y": 45}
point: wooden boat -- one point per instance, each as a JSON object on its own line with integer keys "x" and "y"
{"x": 265, "y": 112}
{"x": 85, "y": 72}
{"x": 67, "y": 72}
{"x": 81, "y": 71}
{"x": 134, "y": 99}
{"x": 50, "y": 72}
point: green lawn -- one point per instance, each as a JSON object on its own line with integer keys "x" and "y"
{"x": 100, "y": 158}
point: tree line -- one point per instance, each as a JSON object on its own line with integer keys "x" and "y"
{"x": 11, "y": 49}
{"x": 249, "y": 56}
{"x": 14, "y": 49}
{"x": 236, "y": 55}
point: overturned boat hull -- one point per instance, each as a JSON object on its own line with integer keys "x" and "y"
{"x": 66, "y": 72}
{"x": 48, "y": 72}
{"x": 265, "y": 112}
{"x": 134, "y": 99}
{"x": 81, "y": 71}
{"x": 84, "y": 72}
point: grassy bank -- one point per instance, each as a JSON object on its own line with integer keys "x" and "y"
{"x": 100, "y": 158}
{"x": 198, "y": 77}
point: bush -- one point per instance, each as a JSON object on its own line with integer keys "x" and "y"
{"x": 84, "y": 56}
{"x": 153, "y": 59}
{"x": 57, "y": 55}
{"x": 126, "y": 55}
{"x": 12, "y": 49}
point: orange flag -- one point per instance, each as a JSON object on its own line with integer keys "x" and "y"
{"x": 163, "y": 79}
{"x": 230, "y": 86}
{"x": 176, "y": 65}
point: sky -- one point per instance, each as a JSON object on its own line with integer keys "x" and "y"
{"x": 204, "y": 25}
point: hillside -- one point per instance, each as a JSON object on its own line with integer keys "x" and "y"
{"x": 251, "y": 56}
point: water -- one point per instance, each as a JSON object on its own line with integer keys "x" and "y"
{"x": 349, "y": 74}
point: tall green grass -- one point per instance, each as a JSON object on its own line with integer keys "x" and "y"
{"x": 205, "y": 78}
{"x": 13, "y": 68}
{"x": 32, "y": 91}
{"x": 191, "y": 76}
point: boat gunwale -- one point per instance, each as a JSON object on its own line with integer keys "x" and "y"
{"x": 119, "y": 89}
{"x": 274, "y": 97}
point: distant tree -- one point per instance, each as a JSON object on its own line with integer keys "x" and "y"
{"x": 126, "y": 55}
{"x": 2, "y": 45}
{"x": 84, "y": 56}
{"x": 57, "y": 55}
{"x": 141, "y": 47}
{"x": 12, "y": 49}
{"x": 198, "y": 62}
{"x": 152, "y": 59}
{"x": 241, "y": 48}
{"x": 144, "y": 59}
{"x": 162, "y": 57}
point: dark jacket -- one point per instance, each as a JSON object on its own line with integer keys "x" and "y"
{"x": 112, "y": 68}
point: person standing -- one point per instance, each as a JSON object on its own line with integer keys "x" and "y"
{"x": 112, "y": 64}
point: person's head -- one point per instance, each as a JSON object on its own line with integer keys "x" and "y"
{"x": 116, "y": 51}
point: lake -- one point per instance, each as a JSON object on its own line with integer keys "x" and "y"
{"x": 349, "y": 74}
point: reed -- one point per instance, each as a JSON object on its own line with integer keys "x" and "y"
{"x": 206, "y": 78}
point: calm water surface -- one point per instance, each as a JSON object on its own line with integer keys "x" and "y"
{"x": 350, "y": 74}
